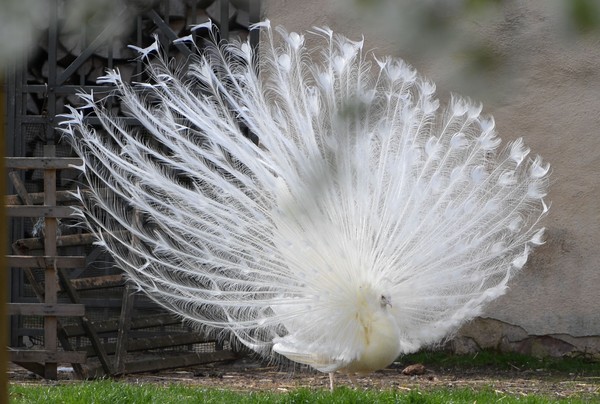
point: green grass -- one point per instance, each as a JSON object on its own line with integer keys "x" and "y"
{"x": 113, "y": 392}
{"x": 117, "y": 392}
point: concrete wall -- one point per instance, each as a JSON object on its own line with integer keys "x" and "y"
{"x": 546, "y": 89}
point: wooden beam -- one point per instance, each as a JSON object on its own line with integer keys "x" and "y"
{"x": 165, "y": 341}
{"x": 168, "y": 362}
{"x": 46, "y": 309}
{"x": 24, "y": 245}
{"x": 34, "y": 367}
{"x": 98, "y": 282}
{"x": 20, "y": 187}
{"x": 86, "y": 324}
{"x": 50, "y": 276}
{"x": 188, "y": 359}
{"x": 113, "y": 325}
{"x": 38, "y": 289}
{"x": 44, "y": 163}
{"x": 39, "y": 211}
{"x": 37, "y": 198}
{"x": 28, "y": 261}
{"x": 45, "y": 356}
{"x": 124, "y": 324}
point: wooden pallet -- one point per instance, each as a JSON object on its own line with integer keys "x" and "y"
{"x": 44, "y": 362}
{"x": 100, "y": 358}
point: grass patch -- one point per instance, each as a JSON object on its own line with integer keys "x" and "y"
{"x": 503, "y": 361}
{"x": 114, "y": 392}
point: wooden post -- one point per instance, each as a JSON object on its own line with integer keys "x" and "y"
{"x": 50, "y": 277}
{"x": 124, "y": 325}
{"x": 3, "y": 267}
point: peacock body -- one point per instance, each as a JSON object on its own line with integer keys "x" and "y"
{"x": 366, "y": 221}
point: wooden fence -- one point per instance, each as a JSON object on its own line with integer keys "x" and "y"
{"x": 44, "y": 362}
{"x": 110, "y": 358}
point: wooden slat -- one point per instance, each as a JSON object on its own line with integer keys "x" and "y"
{"x": 24, "y": 245}
{"x": 25, "y": 163}
{"x": 136, "y": 323}
{"x": 124, "y": 323}
{"x": 34, "y": 367}
{"x": 20, "y": 187}
{"x": 168, "y": 362}
{"x": 37, "y": 198}
{"x": 165, "y": 341}
{"x": 28, "y": 261}
{"x": 86, "y": 324}
{"x": 44, "y": 309}
{"x": 50, "y": 278}
{"x": 39, "y": 211}
{"x": 62, "y": 337}
{"x": 98, "y": 282}
{"x": 48, "y": 356}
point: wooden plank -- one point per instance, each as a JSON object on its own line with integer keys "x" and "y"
{"x": 136, "y": 324}
{"x": 124, "y": 322}
{"x": 37, "y": 198}
{"x": 20, "y": 187}
{"x": 44, "y": 163}
{"x": 28, "y": 261}
{"x": 39, "y": 211}
{"x": 86, "y": 324}
{"x": 165, "y": 341}
{"x": 62, "y": 337}
{"x": 34, "y": 367}
{"x": 98, "y": 282}
{"x": 45, "y": 356}
{"x": 23, "y": 246}
{"x": 169, "y": 362}
{"x": 50, "y": 276}
{"x": 46, "y": 309}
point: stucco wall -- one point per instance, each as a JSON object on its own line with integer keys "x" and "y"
{"x": 548, "y": 91}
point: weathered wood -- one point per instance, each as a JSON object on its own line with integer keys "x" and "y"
{"x": 23, "y": 246}
{"x": 62, "y": 336}
{"x": 50, "y": 276}
{"x": 165, "y": 341}
{"x": 37, "y": 198}
{"x": 136, "y": 323}
{"x": 188, "y": 359}
{"x": 34, "y": 367}
{"x": 98, "y": 282}
{"x": 124, "y": 322}
{"x": 48, "y": 211}
{"x": 46, "y": 309}
{"x": 168, "y": 362}
{"x": 46, "y": 356}
{"x": 28, "y": 261}
{"x": 20, "y": 187}
{"x": 86, "y": 324}
{"x": 44, "y": 163}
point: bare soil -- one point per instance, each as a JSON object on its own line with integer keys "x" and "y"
{"x": 247, "y": 375}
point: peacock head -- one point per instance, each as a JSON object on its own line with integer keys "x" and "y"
{"x": 385, "y": 300}
{"x": 373, "y": 297}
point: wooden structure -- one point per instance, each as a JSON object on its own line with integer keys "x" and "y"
{"x": 68, "y": 303}
{"x": 44, "y": 362}
{"x": 57, "y": 335}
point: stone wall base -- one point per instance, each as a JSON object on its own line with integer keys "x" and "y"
{"x": 489, "y": 333}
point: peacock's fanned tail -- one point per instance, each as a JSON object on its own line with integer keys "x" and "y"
{"x": 359, "y": 183}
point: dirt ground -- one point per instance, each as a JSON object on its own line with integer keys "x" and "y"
{"x": 247, "y": 375}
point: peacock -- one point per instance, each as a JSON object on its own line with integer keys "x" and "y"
{"x": 309, "y": 199}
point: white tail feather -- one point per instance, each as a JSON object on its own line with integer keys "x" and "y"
{"x": 365, "y": 223}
